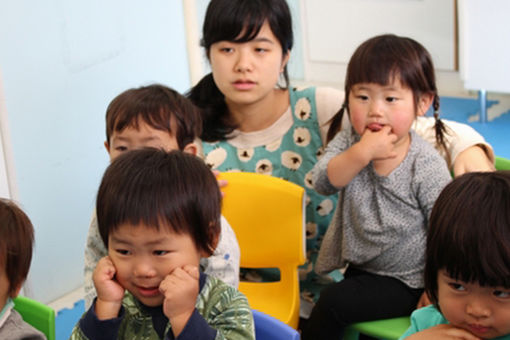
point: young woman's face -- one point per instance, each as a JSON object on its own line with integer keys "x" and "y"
{"x": 247, "y": 72}
{"x": 143, "y": 257}
{"x": 372, "y": 106}
{"x": 483, "y": 311}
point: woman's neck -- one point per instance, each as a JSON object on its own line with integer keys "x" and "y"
{"x": 261, "y": 114}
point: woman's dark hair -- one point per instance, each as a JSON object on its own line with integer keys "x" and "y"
{"x": 160, "y": 107}
{"x": 160, "y": 189}
{"x": 380, "y": 60}
{"x": 237, "y": 21}
{"x": 469, "y": 232}
{"x": 16, "y": 243}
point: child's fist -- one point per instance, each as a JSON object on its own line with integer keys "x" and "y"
{"x": 180, "y": 289}
{"x": 107, "y": 288}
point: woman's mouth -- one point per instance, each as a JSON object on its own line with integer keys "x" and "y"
{"x": 243, "y": 85}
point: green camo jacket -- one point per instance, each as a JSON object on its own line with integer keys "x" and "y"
{"x": 221, "y": 312}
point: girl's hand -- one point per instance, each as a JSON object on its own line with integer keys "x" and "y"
{"x": 221, "y": 182}
{"x": 443, "y": 332}
{"x": 379, "y": 144}
{"x": 472, "y": 159}
{"x": 109, "y": 292}
{"x": 180, "y": 289}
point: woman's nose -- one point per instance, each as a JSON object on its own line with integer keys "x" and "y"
{"x": 243, "y": 63}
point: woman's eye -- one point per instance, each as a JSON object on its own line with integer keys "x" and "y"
{"x": 457, "y": 286}
{"x": 501, "y": 294}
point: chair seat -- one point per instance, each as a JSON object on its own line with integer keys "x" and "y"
{"x": 274, "y": 298}
{"x": 389, "y": 329}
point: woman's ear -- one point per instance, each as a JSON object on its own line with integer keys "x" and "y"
{"x": 424, "y": 103}
{"x": 285, "y": 60}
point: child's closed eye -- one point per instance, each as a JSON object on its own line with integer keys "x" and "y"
{"x": 123, "y": 252}
{"x": 457, "y": 286}
{"x": 501, "y": 294}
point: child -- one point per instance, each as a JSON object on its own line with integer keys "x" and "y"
{"x": 387, "y": 178}
{"x": 255, "y": 121}
{"x": 157, "y": 116}
{"x": 158, "y": 213}
{"x": 16, "y": 243}
{"x": 467, "y": 270}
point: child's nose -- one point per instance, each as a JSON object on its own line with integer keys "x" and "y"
{"x": 477, "y": 308}
{"x": 144, "y": 269}
{"x": 375, "y": 108}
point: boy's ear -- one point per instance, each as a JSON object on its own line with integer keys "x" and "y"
{"x": 424, "y": 103}
{"x": 107, "y": 146}
{"x": 191, "y": 148}
{"x": 16, "y": 291}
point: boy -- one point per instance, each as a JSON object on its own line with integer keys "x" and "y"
{"x": 16, "y": 242}
{"x": 157, "y": 116}
{"x": 158, "y": 213}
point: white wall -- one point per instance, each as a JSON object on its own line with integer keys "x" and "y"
{"x": 62, "y": 62}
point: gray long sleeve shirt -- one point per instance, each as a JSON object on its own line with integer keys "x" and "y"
{"x": 380, "y": 222}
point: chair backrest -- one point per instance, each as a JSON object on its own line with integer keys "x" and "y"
{"x": 37, "y": 314}
{"x": 267, "y": 215}
{"x": 502, "y": 163}
{"x": 269, "y": 328}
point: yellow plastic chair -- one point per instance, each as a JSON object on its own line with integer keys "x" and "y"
{"x": 37, "y": 314}
{"x": 268, "y": 217}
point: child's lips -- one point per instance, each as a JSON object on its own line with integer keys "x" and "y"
{"x": 478, "y": 329}
{"x": 148, "y": 291}
{"x": 374, "y": 127}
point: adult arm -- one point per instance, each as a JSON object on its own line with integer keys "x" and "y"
{"x": 468, "y": 150}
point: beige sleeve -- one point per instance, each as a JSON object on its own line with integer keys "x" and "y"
{"x": 459, "y": 138}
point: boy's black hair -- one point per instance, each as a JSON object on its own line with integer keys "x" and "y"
{"x": 159, "y": 106}
{"x": 382, "y": 58}
{"x": 469, "y": 232}
{"x": 237, "y": 21}
{"x": 160, "y": 189}
{"x": 16, "y": 243}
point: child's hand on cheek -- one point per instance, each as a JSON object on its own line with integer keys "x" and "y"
{"x": 443, "y": 332}
{"x": 109, "y": 291}
{"x": 180, "y": 289}
{"x": 380, "y": 144}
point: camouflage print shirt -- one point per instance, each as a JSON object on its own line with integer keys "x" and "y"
{"x": 221, "y": 312}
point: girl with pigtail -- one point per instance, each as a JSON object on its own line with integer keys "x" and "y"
{"x": 254, "y": 120}
{"x": 387, "y": 178}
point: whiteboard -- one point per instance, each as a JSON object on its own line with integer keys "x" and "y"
{"x": 484, "y": 50}
{"x": 334, "y": 28}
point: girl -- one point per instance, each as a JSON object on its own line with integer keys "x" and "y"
{"x": 387, "y": 178}
{"x": 253, "y": 120}
{"x": 467, "y": 271}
